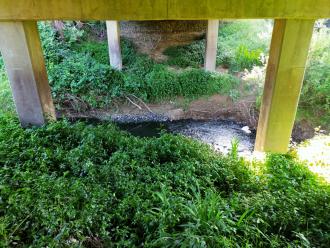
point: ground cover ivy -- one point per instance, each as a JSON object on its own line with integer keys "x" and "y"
{"x": 82, "y": 185}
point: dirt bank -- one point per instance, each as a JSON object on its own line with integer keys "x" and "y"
{"x": 216, "y": 107}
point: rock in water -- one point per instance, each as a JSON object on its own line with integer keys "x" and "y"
{"x": 246, "y": 129}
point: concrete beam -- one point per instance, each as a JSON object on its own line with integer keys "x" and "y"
{"x": 162, "y": 9}
{"x": 211, "y": 45}
{"x": 21, "y": 50}
{"x": 113, "y": 31}
{"x": 284, "y": 77}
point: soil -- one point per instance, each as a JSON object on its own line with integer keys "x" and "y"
{"x": 154, "y": 37}
{"x": 216, "y": 107}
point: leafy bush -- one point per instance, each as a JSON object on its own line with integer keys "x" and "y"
{"x": 85, "y": 78}
{"x": 59, "y": 189}
{"x": 187, "y": 55}
{"x": 192, "y": 83}
{"x": 241, "y": 43}
{"x": 55, "y": 48}
{"x": 97, "y": 50}
{"x": 246, "y": 59}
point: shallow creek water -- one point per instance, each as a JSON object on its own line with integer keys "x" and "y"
{"x": 218, "y": 134}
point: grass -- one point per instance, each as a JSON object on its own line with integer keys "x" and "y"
{"x": 59, "y": 189}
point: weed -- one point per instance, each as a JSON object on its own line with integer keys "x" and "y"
{"x": 58, "y": 188}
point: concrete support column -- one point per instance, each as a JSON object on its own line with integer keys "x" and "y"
{"x": 284, "y": 77}
{"x": 22, "y": 53}
{"x": 113, "y": 31}
{"x": 211, "y": 45}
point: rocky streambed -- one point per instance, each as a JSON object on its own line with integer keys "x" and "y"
{"x": 217, "y": 133}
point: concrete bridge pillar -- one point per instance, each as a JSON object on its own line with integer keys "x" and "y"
{"x": 21, "y": 49}
{"x": 211, "y": 45}
{"x": 284, "y": 77}
{"x": 113, "y": 31}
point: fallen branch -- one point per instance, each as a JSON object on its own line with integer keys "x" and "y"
{"x": 136, "y": 105}
{"x": 144, "y": 104}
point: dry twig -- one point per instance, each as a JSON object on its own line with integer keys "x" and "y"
{"x": 136, "y": 105}
{"x": 144, "y": 104}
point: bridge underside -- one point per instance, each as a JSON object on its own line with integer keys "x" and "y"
{"x": 162, "y": 9}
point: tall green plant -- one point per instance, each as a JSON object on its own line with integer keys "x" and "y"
{"x": 315, "y": 97}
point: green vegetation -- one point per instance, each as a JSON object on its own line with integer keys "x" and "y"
{"x": 6, "y": 99}
{"x": 244, "y": 44}
{"x": 191, "y": 55}
{"x": 80, "y": 185}
{"x": 78, "y": 69}
{"x": 80, "y": 77}
{"x": 59, "y": 189}
{"x": 315, "y": 98}
{"x": 241, "y": 45}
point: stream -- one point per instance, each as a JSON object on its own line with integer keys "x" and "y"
{"x": 218, "y": 134}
